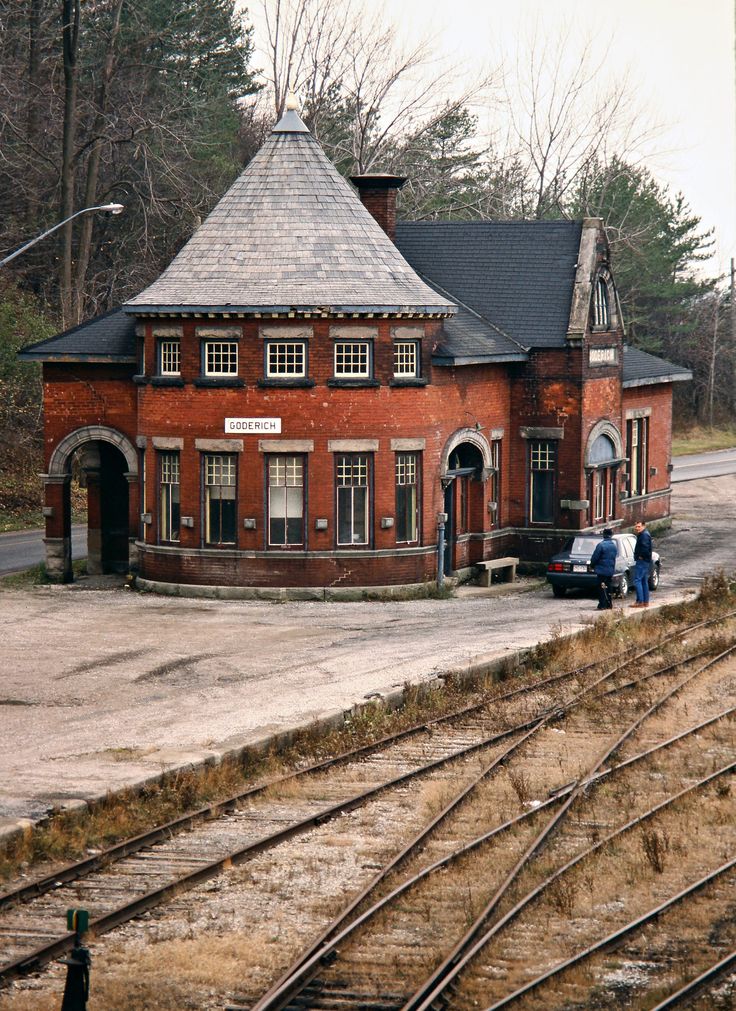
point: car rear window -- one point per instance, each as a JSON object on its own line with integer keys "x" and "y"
{"x": 583, "y": 545}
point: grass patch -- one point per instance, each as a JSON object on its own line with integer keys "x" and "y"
{"x": 703, "y": 439}
{"x": 37, "y": 576}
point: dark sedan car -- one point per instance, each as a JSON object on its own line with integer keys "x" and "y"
{"x": 571, "y": 568}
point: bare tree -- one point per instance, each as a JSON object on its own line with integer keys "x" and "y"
{"x": 346, "y": 65}
{"x": 563, "y": 118}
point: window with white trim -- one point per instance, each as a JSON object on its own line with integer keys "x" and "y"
{"x": 220, "y": 498}
{"x": 542, "y": 465}
{"x": 286, "y": 359}
{"x": 168, "y": 497}
{"x": 352, "y": 359}
{"x": 353, "y": 498}
{"x": 407, "y": 497}
{"x": 286, "y": 501}
{"x": 220, "y": 358}
{"x": 169, "y": 357}
{"x": 406, "y": 359}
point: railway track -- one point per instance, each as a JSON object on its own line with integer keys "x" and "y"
{"x": 354, "y": 961}
{"x": 141, "y": 873}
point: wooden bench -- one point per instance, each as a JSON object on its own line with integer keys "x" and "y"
{"x": 506, "y": 568}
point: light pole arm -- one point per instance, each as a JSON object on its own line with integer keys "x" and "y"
{"x": 113, "y": 208}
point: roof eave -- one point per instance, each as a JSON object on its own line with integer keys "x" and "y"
{"x": 491, "y": 359}
{"x": 675, "y": 377}
{"x": 67, "y": 356}
{"x": 289, "y": 310}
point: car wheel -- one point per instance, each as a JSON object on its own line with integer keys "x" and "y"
{"x": 558, "y": 591}
{"x": 623, "y": 587}
{"x": 654, "y": 578}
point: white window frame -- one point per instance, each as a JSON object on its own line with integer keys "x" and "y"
{"x": 403, "y": 350}
{"x": 169, "y": 354}
{"x": 227, "y": 353}
{"x": 350, "y": 352}
{"x": 285, "y": 349}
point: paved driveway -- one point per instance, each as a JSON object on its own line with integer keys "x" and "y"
{"x": 102, "y": 689}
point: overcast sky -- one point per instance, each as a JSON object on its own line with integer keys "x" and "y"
{"x": 679, "y": 58}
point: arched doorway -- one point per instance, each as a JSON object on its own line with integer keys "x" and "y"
{"x": 603, "y": 457}
{"x": 107, "y": 464}
{"x": 465, "y": 466}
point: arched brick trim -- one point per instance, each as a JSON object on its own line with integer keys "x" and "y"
{"x": 475, "y": 438}
{"x": 608, "y": 429}
{"x": 91, "y": 433}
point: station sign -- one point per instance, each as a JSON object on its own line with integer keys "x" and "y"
{"x": 252, "y": 426}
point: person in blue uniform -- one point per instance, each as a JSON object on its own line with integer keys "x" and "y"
{"x": 643, "y": 559}
{"x": 604, "y": 565}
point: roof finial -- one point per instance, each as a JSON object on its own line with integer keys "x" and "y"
{"x": 290, "y": 122}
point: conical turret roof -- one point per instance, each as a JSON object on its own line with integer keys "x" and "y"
{"x": 290, "y": 235}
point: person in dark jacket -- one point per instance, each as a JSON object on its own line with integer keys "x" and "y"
{"x": 604, "y": 564}
{"x": 643, "y": 560}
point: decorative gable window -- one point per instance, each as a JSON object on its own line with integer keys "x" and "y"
{"x": 601, "y": 314}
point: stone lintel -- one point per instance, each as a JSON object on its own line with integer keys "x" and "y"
{"x": 542, "y": 433}
{"x": 219, "y": 445}
{"x": 352, "y": 445}
{"x": 408, "y": 445}
{"x": 286, "y": 445}
{"x": 167, "y": 442}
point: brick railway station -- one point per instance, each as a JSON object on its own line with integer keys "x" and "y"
{"x": 308, "y": 385}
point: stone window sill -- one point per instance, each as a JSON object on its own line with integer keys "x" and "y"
{"x": 167, "y": 381}
{"x": 409, "y": 381}
{"x": 219, "y": 381}
{"x": 352, "y": 384}
{"x": 283, "y": 384}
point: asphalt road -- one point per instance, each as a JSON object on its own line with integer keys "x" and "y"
{"x": 20, "y": 549}
{"x": 699, "y": 465}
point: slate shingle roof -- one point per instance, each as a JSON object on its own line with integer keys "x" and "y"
{"x": 518, "y": 275}
{"x": 107, "y": 338}
{"x": 643, "y": 369}
{"x": 290, "y": 233}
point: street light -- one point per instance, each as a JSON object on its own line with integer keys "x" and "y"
{"x": 112, "y": 208}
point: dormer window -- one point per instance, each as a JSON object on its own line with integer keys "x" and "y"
{"x": 601, "y": 315}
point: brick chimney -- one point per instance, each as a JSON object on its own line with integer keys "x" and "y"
{"x": 378, "y": 194}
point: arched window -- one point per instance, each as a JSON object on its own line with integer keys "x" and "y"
{"x": 602, "y": 479}
{"x": 602, "y": 451}
{"x": 601, "y": 316}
